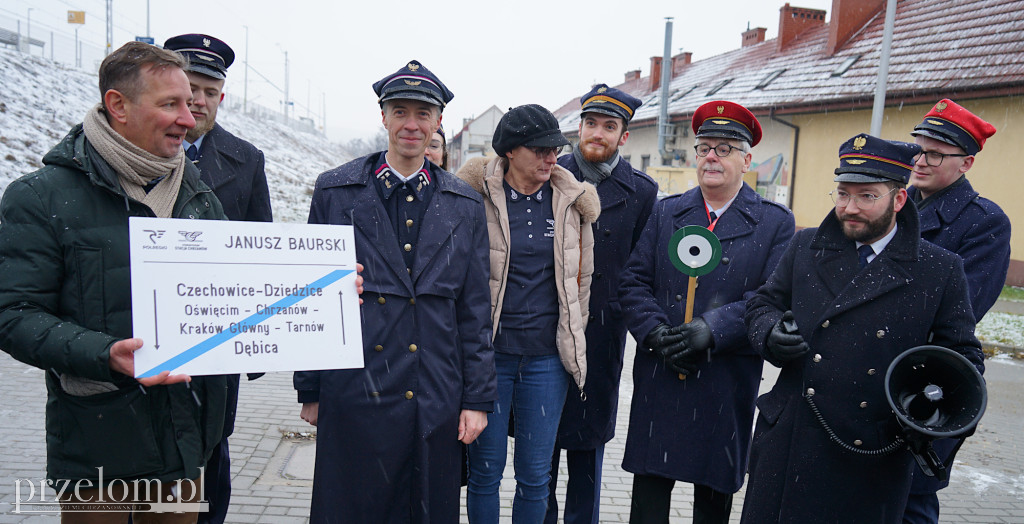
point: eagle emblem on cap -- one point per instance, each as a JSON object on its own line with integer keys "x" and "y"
{"x": 413, "y": 67}
{"x": 721, "y": 109}
{"x": 855, "y": 162}
{"x": 940, "y": 107}
{"x": 602, "y": 89}
{"x": 412, "y": 82}
{"x": 720, "y": 122}
{"x": 859, "y": 142}
{"x": 206, "y": 42}
{"x": 934, "y": 122}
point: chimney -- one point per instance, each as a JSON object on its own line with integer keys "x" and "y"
{"x": 679, "y": 62}
{"x": 796, "y": 20}
{"x": 848, "y": 17}
{"x": 753, "y": 36}
{"x": 655, "y": 72}
{"x": 633, "y": 76}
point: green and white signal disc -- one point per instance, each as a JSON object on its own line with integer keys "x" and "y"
{"x": 694, "y": 250}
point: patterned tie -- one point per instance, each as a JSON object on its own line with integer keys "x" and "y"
{"x": 864, "y": 251}
{"x": 192, "y": 153}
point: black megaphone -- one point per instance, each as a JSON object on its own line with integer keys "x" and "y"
{"x": 935, "y": 393}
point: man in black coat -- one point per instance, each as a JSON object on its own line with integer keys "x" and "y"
{"x": 627, "y": 196}
{"x": 955, "y": 217}
{"x": 233, "y": 168}
{"x": 846, "y": 299}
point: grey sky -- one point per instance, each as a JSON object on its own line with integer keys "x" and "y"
{"x": 503, "y": 54}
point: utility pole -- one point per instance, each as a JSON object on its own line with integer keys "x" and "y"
{"x": 30, "y": 30}
{"x": 110, "y": 27}
{"x": 245, "y": 90}
{"x": 147, "y": 19}
{"x": 286, "y": 99}
{"x": 878, "y": 108}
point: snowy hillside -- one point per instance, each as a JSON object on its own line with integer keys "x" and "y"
{"x": 41, "y": 100}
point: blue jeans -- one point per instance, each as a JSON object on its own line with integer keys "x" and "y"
{"x": 534, "y": 388}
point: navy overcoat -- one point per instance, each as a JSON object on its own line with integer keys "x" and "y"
{"x": 856, "y": 322}
{"x": 961, "y": 221}
{"x": 627, "y": 197}
{"x": 233, "y": 168}
{"x": 387, "y": 435}
{"x": 698, "y": 430}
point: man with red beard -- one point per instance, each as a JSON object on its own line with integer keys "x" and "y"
{"x": 694, "y": 382}
{"x": 627, "y": 196}
{"x": 233, "y": 168}
{"x": 846, "y": 299}
{"x": 954, "y": 216}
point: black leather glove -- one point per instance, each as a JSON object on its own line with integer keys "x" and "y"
{"x": 785, "y": 342}
{"x": 696, "y": 341}
{"x": 664, "y": 341}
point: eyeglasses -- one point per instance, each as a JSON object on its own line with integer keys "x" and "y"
{"x": 934, "y": 158}
{"x": 721, "y": 150}
{"x": 543, "y": 152}
{"x": 864, "y": 200}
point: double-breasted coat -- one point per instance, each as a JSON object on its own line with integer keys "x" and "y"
{"x": 856, "y": 321}
{"x": 975, "y": 228}
{"x": 627, "y": 197}
{"x": 697, "y": 430}
{"x": 387, "y": 435}
{"x": 233, "y": 168}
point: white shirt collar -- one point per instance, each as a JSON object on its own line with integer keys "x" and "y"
{"x": 878, "y": 245}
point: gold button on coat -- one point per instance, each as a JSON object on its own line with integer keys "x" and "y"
{"x": 378, "y": 347}
{"x": 858, "y": 442}
{"x": 380, "y": 300}
{"x": 810, "y": 392}
{"x": 375, "y": 393}
{"x": 408, "y": 198}
{"x": 408, "y": 247}
{"x": 816, "y": 358}
{"x": 824, "y": 324}
{"x": 412, "y": 301}
{"x": 408, "y": 223}
{"x": 880, "y": 333}
{"x": 412, "y": 348}
{"x": 408, "y": 395}
{"x": 871, "y": 372}
{"x": 863, "y": 404}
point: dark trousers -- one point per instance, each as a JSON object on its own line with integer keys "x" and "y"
{"x": 582, "y": 490}
{"x": 652, "y": 498}
{"x": 218, "y": 485}
{"x": 922, "y": 508}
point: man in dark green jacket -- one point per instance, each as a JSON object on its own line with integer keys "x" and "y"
{"x": 65, "y": 300}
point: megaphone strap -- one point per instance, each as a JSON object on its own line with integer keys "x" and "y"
{"x": 892, "y": 447}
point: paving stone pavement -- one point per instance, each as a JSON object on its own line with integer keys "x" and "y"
{"x": 271, "y": 472}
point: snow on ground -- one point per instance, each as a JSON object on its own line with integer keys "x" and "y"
{"x": 41, "y": 100}
{"x": 1002, "y": 328}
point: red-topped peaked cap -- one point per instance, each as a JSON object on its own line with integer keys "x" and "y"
{"x": 953, "y": 124}
{"x": 725, "y": 119}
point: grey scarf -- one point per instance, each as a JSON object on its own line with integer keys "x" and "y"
{"x": 591, "y": 172}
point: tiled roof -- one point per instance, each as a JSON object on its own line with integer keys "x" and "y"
{"x": 940, "y": 47}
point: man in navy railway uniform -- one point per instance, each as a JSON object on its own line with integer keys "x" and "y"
{"x": 627, "y": 196}
{"x": 955, "y": 217}
{"x": 846, "y": 299}
{"x": 233, "y": 168}
{"x": 694, "y": 383}
{"x": 388, "y": 434}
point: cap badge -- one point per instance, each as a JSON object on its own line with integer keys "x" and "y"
{"x": 855, "y": 162}
{"x": 720, "y": 122}
{"x": 206, "y": 42}
{"x": 602, "y": 89}
{"x": 940, "y": 107}
{"x": 859, "y": 142}
{"x": 413, "y": 67}
{"x": 413, "y": 83}
{"x": 721, "y": 109}
{"x": 934, "y": 122}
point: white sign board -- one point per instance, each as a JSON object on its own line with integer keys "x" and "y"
{"x": 213, "y": 297}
